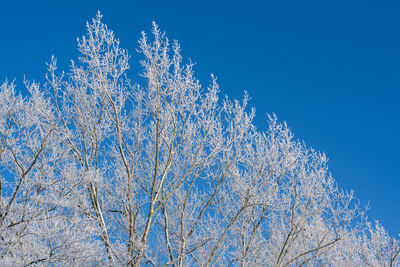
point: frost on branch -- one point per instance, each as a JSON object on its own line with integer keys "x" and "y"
{"x": 97, "y": 169}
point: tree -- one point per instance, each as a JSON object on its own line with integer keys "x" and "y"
{"x": 97, "y": 169}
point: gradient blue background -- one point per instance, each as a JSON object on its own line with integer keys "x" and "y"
{"x": 329, "y": 68}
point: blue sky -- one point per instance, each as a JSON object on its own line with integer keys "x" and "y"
{"x": 330, "y": 69}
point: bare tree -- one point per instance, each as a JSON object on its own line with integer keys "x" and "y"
{"x": 97, "y": 169}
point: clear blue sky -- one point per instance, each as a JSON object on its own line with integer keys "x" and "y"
{"x": 329, "y": 68}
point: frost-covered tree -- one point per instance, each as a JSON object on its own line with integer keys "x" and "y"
{"x": 99, "y": 169}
